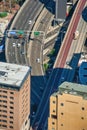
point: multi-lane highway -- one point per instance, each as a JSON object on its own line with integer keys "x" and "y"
{"x": 36, "y": 47}
{"x": 75, "y": 52}
{"x": 17, "y": 49}
{"x": 29, "y": 12}
{"x": 55, "y": 77}
{"x": 18, "y": 54}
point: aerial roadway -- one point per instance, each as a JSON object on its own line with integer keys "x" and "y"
{"x": 55, "y": 77}
{"x": 16, "y": 48}
{"x": 75, "y": 52}
{"x": 38, "y": 81}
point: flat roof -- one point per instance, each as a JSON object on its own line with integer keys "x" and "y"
{"x": 73, "y": 88}
{"x": 12, "y": 76}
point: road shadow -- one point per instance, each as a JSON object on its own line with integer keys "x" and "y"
{"x": 57, "y": 77}
{"x": 2, "y": 57}
{"x": 38, "y": 84}
{"x": 74, "y": 60}
{"x": 84, "y": 14}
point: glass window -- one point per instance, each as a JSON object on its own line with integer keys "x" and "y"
{"x": 11, "y": 112}
{"x": 4, "y": 125}
{"x": 4, "y": 101}
{"x": 11, "y": 126}
{"x": 11, "y": 92}
{"x": 4, "y": 120}
{"x": 4, "y": 106}
{"x": 11, "y": 107}
{"x": 4, "y": 96}
{"x": 11, "y": 102}
{"x": 53, "y": 110}
{"x": 5, "y": 111}
{"x": 11, "y": 97}
{"x": 83, "y": 108}
{"x": 53, "y": 101}
{"x": 11, "y": 117}
{"x": 82, "y": 118}
{"x": 4, "y": 116}
{"x": 62, "y": 104}
{"x": 61, "y": 113}
{"x": 11, "y": 122}
{"x": 4, "y": 91}
{"x": 53, "y": 123}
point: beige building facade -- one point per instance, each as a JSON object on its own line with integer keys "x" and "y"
{"x": 68, "y": 108}
{"x": 14, "y": 97}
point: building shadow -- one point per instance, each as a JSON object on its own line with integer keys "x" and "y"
{"x": 49, "y": 5}
{"x": 57, "y": 77}
{"x": 74, "y": 60}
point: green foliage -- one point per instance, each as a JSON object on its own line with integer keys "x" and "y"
{"x": 52, "y": 52}
{"x": 45, "y": 67}
{"x": 3, "y": 14}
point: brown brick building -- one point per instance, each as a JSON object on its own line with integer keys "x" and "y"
{"x": 14, "y": 97}
{"x": 68, "y": 108}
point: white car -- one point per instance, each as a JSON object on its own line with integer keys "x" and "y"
{"x": 18, "y": 45}
{"x": 14, "y": 44}
{"x": 67, "y": 62}
{"x": 30, "y": 21}
{"x": 38, "y": 60}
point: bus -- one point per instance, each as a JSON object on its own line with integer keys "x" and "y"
{"x": 12, "y": 34}
{"x": 16, "y": 34}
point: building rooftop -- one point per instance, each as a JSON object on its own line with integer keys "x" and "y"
{"x": 72, "y": 88}
{"x": 12, "y": 76}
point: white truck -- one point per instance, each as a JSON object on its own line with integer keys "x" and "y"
{"x": 76, "y": 34}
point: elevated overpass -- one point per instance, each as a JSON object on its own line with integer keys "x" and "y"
{"x": 55, "y": 77}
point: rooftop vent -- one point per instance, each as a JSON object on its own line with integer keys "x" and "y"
{"x": 2, "y": 73}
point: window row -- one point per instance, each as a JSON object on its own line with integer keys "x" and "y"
{"x": 6, "y": 111}
{"x": 62, "y": 104}
{"x": 6, "y": 126}
{"x": 3, "y": 96}
{"x": 6, "y": 101}
{"x": 6, "y": 121}
{"x": 6, "y": 106}
{"x": 6, "y": 91}
{"x": 11, "y": 117}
